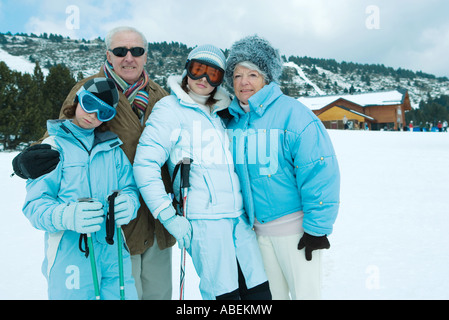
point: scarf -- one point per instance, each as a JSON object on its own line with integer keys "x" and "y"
{"x": 135, "y": 93}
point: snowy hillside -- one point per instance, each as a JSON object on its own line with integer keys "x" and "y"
{"x": 19, "y": 63}
{"x": 390, "y": 240}
{"x": 311, "y": 77}
{"x": 326, "y": 82}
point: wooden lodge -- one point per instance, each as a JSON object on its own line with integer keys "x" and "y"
{"x": 384, "y": 110}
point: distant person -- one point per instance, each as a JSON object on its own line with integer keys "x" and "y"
{"x": 92, "y": 166}
{"x": 444, "y": 126}
{"x": 345, "y": 122}
{"x": 410, "y": 126}
{"x": 440, "y": 126}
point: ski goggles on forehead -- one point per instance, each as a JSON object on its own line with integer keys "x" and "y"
{"x": 91, "y": 104}
{"x": 197, "y": 69}
{"x": 122, "y": 51}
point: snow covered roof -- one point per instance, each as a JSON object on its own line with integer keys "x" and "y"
{"x": 381, "y": 98}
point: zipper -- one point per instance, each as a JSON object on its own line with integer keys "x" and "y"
{"x": 245, "y": 165}
{"x": 68, "y": 131}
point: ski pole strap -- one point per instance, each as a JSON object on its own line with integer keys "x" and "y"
{"x": 83, "y": 237}
{"x": 110, "y": 218}
{"x": 83, "y": 241}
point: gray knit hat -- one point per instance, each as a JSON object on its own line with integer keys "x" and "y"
{"x": 258, "y": 51}
{"x": 104, "y": 89}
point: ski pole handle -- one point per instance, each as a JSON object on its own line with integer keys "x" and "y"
{"x": 185, "y": 172}
{"x": 110, "y": 217}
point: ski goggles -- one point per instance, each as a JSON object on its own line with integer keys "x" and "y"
{"x": 91, "y": 103}
{"x": 122, "y": 51}
{"x": 196, "y": 69}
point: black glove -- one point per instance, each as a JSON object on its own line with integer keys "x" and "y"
{"x": 35, "y": 161}
{"x": 313, "y": 243}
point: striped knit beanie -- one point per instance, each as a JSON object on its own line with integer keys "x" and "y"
{"x": 208, "y": 53}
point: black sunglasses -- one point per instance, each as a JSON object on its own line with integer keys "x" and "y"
{"x": 122, "y": 51}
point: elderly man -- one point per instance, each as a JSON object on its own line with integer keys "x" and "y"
{"x": 149, "y": 243}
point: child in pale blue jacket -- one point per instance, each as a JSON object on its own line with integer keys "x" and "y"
{"x": 216, "y": 231}
{"x": 92, "y": 165}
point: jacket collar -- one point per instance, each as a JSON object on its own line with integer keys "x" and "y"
{"x": 174, "y": 83}
{"x": 62, "y": 127}
{"x": 259, "y": 102}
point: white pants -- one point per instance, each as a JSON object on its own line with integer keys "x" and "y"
{"x": 152, "y": 272}
{"x": 215, "y": 248}
{"x": 289, "y": 274}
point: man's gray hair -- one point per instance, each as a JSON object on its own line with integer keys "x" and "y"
{"x": 116, "y": 30}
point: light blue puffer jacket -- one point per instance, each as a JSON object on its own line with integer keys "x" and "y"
{"x": 177, "y": 128}
{"x": 92, "y": 165}
{"x": 85, "y": 170}
{"x": 285, "y": 161}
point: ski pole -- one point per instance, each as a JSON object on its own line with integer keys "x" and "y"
{"x": 185, "y": 184}
{"x": 120, "y": 263}
{"x": 111, "y": 220}
{"x": 93, "y": 265}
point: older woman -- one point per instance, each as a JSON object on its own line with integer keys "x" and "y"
{"x": 287, "y": 169}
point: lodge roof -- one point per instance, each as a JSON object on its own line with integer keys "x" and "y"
{"x": 380, "y": 98}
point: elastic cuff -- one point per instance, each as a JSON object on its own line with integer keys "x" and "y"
{"x": 58, "y": 216}
{"x": 166, "y": 214}
{"x": 163, "y": 206}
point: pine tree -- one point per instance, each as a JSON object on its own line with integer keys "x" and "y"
{"x": 57, "y": 86}
{"x": 8, "y": 92}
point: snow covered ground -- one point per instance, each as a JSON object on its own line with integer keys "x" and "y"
{"x": 390, "y": 240}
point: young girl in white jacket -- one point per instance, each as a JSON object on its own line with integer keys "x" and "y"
{"x": 216, "y": 231}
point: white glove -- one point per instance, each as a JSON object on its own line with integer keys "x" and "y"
{"x": 178, "y": 226}
{"x": 81, "y": 217}
{"x": 123, "y": 209}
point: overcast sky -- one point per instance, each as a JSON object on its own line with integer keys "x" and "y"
{"x": 410, "y": 34}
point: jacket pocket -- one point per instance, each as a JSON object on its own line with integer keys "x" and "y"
{"x": 276, "y": 195}
{"x": 74, "y": 175}
{"x": 210, "y": 187}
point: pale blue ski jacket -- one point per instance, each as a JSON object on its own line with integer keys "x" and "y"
{"x": 85, "y": 170}
{"x": 285, "y": 161}
{"x": 178, "y": 127}
{"x": 91, "y": 168}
